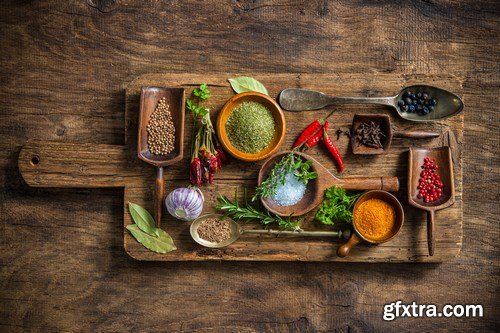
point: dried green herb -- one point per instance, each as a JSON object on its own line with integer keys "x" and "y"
{"x": 250, "y": 127}
{"x": 145, "y": 232}
{"x": 160, "y": 244}
{"x": 143, "y": 219}
{"x": 245, "y": 83}
{"x": 246, "y": 211}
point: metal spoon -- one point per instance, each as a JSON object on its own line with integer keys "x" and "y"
{"x": 237, "y": 231}
{"x": 448, "y": 104}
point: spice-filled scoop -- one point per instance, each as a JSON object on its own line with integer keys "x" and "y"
{"x": 282, "y": 194}
{"x": 372, "y": 134}
{"x": 218, "y": 231}
{"x": 377, "y": 218}
{"x": 415, "y": 103}
{"x": 431, "y": 184}
{"x": 161, "y": 134}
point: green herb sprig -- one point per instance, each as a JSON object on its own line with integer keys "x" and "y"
{"x": 246, "y": 211}
{"x": 277, "y": 175}
{"x": 337, "y": 206}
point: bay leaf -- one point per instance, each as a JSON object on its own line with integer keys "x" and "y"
{"x": 143, "y": 219}
{"x": 244, "y": 83}
{"x": 161, "y": 244}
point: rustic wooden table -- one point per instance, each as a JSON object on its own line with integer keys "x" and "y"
{"x": 63, "y": 67}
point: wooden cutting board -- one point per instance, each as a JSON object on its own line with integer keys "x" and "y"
{"x": 50, "y": 164}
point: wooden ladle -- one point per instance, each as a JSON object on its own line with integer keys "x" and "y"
{"x": 386, "y": 128}
{"x": 149, "y": 100}
{"x": 315, "y": 188}
{"x": 442, "y": 156}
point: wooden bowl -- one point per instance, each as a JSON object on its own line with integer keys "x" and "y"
{"x": 279, "y": 120}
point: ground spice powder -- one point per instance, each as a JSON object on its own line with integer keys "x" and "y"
{"x": 375, "y": 219}
{"x": 214, "y": 230}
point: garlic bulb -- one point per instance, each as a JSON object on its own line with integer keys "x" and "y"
{"x": 185, "y": 203}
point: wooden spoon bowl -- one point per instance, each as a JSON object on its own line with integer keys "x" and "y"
{"x": 442, "y": 155}
{"x": 315, "y": 188}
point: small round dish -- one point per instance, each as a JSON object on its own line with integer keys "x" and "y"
{"x": 196, "y": 223}
{"x": 279, "y": 126}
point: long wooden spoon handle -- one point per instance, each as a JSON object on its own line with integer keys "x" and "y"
{"x": 159, "y": 196}
{"x": 416, "y": 134}
{"x": 431, "y": 240}
{"x": 390, "y": 184}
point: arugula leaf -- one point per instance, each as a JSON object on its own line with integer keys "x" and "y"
{"x": 337, "y": 206}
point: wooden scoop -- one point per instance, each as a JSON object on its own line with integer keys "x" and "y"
{"x": 442, "y": 155}
{"x": 150, "y": 97}
{"x": 315, "y": 188}
{"x": 386, "y": 128}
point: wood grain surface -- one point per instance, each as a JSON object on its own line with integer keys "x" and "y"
{"x": 63, "y": 66}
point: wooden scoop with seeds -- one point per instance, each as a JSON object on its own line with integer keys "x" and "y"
{"x": 156, "y": 144}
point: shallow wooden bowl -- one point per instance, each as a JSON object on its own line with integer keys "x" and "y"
{"x": 279, "y": 120}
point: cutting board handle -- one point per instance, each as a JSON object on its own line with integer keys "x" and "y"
{"x": 54, "y": 164}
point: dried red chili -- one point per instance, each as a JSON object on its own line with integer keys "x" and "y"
{"x": 333, "y": 151}
{"x": 195, "y": 172}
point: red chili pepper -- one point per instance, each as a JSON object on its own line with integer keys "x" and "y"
{"x": 316, "y": 138}
{"x": 307, "y": 133}
{"x": 213, "y": 163}
{"x": 195, "y": 172}
{"x": 333, "y": 151}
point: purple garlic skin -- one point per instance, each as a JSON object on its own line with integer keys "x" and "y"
{"x": 185, "y": 203}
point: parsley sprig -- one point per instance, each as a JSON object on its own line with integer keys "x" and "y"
{"x": 246, "y": 211}
{"x": 301, "y": 169}
{"x": 337, "y": 206}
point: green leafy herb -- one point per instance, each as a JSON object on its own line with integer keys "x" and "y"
{"x": 145, "y": 232}
{"x": 160, "y": 244}
{"x": 277, "y": 175}
{"x": 202, "y": 92}
{"x": 245, "y": 83}
{"x": 143, "y": 219}
{"x": 337, "y": 206}
{"x": 247, "y": 212}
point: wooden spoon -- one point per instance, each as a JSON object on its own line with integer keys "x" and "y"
{"x": 315, "y": 188}
{"x": 442, "y": 155}
{"x": 149, "y": 100}
{"x": 386, "y": 128}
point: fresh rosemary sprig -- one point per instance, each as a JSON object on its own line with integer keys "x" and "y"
{"x": 247, "y": 212}
{"x": 277, "y": 176}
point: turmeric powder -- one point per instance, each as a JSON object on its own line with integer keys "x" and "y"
{"x": 375, "y": 219}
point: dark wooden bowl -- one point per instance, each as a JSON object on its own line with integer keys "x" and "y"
{"x": 279, "y": 121}
{"x": 442, "y": 155}
{"x": 385, "y": 126}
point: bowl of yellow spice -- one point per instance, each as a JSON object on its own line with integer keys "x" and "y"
{"x": 251, "y": 126}
{"x": 377, "y": 218}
